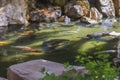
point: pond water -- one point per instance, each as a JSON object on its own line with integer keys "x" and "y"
{"x": 59, "y": 43}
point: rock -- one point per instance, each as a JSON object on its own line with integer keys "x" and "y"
{"x": 35, "y": 17}
{"x": 3, "y": 2}
{"x": 3, "y": 17}
{"x": 59, "y": 2}
{"x": 94, "y": 17}
{"x": 76, "y": 9}
{"x": 31, "y": 70}
{"x": 18, "y": 13}
{"x": 85, "y": 6}
{"x": 107, "y": 7}
{"x": 74, "y": 12}
{"x": 2, "y": 78}
{"x": 61, "y": 19}
{"x": 95, "y": 35}
{"x": 116, "y": 34}
{"x": 44, "y": 15}
{"x": 116, "y": 61}
{"x": 95, "y": 14}
{"x": 117, "y": 7}
{"x": 3, "y": 30}
{"x": 89, "y": 21}
{"x": 13, "y": 13}
{"x": 67, "y": 20}
{"x": 3, "y": 20}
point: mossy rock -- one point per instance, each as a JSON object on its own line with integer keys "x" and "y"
{"x": 84, "y": 3}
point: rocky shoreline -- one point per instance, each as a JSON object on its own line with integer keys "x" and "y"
{"x": 22, "y": 12}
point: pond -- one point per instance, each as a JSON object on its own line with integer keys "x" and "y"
{"x": 59, "y": 43}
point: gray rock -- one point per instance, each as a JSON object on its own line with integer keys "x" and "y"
{"x": 13, "y": 13}
{"x": 31, "y": 70}
{"x": 3, "y": 16}
{"x": 107, "y": 7}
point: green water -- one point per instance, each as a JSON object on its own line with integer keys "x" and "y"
{"x": 62, "y": 53}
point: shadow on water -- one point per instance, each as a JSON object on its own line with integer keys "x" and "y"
{"x": 81, "y": 24}
{"x": 86, "y": 25}
{"x": 66, "y": 25}
{"x": 67, "y": 52}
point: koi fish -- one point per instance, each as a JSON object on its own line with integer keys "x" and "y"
{"x": 28, "y": 49}
{"x": 3, "y": 43}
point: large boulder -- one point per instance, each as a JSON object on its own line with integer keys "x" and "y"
{"x": 94, "y": 17}
{"x": 95, "y": 14}
{"x": 31, "y": 70}
{"x": 4, "y": 12}
{"x": 107, "y": 7}
{"x": 13, "y": 13}
{"x": 117, "y": 7}
{"x": 76, "y": 9}
{"x": 19, "y": 12}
